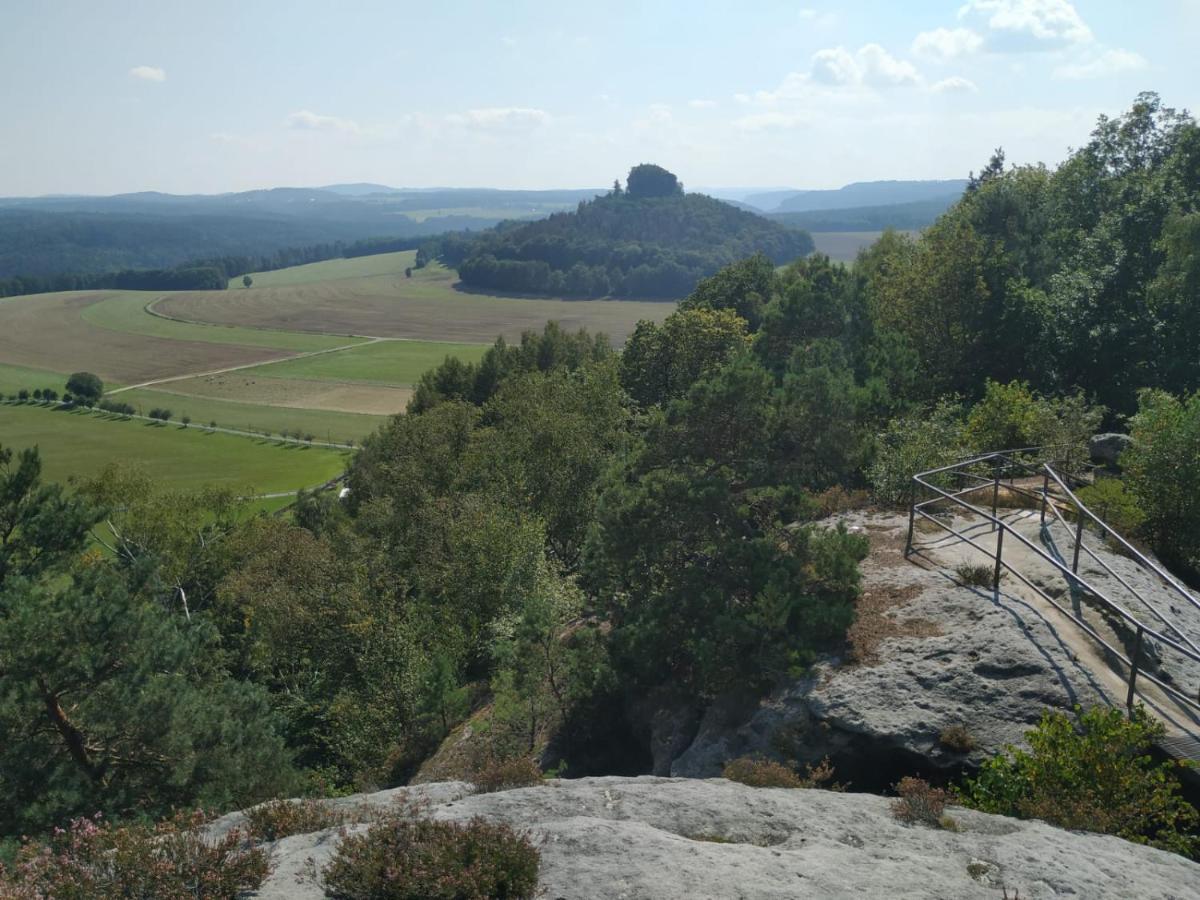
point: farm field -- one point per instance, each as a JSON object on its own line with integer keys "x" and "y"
{"x": 78, "y": 443}
{"x": 844, "y": 245}
{"x": 244, "y": 415}
{"x": 298, "y": 393}
{"x": 328, "y": 349}
{"x": 327, "y": 297}
{"x": 381, "y": 362}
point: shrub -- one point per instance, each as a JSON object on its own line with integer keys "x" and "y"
{"x": 502, "y": 775}
{"x": 760, "y": 773}
{"x": 957, "y": 738}
{"x": 1003, "y": 419}
{"x": 914, "y": 444}
{"x": 1095, "y": 774}
{"x": 1109, "y": 499}
{"x": 919, "y": 803}
{"x": 93, "y": 860}
{"x": 420, "y": 859}
{"x": 277, "y": 819}
{"x": 1162, "y": 470}
{"x": 975, "y": 574}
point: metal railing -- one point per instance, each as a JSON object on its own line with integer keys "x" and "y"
{"x": 1056, "y": 499}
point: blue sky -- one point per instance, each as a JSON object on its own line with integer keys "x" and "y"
{"x": 103, "y": 97}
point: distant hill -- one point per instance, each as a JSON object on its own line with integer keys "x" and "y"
{"x": 858, "y": 194}
{"x": 43, "y": 236}
{"x": 651, "y": 240}
{"x": 902, "y": 216}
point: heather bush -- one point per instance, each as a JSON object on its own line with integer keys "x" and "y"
{"x": 171, "y": 860}
{"x": 502, "y": 775}
{"x": 278, "y": 819}
{"x": 761, "y": 773}
{"x": 420, "y": 859}
{"x": 919, "y": 802}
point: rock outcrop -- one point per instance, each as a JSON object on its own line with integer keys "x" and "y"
{"x": 1107, "y": 448}
{"x": 669, "y": 839}
{"x": 938, "y": 654}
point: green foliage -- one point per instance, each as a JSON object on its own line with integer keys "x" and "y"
{"x": 247, "y": 281}
{"x": 1004, "y": 419}
{"x": 1162, "y": 471}
{"x": 1115, "y": 504}
{"x": 505, "y": 775}
{"x": 915, "y": 443}
{"x": 706, "y": 584}
{"x": 1091, "y": 774}
{"x": 86, "y": 387}
{"x": 649, "y": 180}
{"x": 745, "y": 287}
{"x": 172, "y": 860}
{"x": 421, "y": 859}
{"x": 660, "y": 363}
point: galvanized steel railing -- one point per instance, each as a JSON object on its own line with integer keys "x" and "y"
{"x": 1055, "y": 497}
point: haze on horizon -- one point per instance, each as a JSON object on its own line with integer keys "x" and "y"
{"x": 106, "y": 97}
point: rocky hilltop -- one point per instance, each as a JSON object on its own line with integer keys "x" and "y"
{"x": 653, "y": 838}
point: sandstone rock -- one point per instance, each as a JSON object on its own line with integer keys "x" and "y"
{"x": 1107, "y": 448}
{"x": 955, "y": 656}
{"x": 666, "y": 839}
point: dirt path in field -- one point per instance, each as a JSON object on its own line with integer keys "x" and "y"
{"x": 253, "y": 365}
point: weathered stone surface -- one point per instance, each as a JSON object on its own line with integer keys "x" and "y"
{"x": 1107, "y": 448}
{"x": 960, "y": 656}
{"x": 667, "y": 839}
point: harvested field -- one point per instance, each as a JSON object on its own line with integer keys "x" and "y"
{"x": 48, "y": 331}
{"x": 369, "y": 399}
{"x": 427, "y": 306}
{"x": 126, "y": 311}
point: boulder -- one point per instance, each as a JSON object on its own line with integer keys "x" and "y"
{"x": 1107, "y": 448}
{"x": 670, "y": 839}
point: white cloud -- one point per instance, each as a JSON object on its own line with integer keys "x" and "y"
{"x": 1020, "y": 25}
{"x": 306, "y": 120}
{"x": 148, "y": 73}
{"x": 500, "y": 118}
{"x": 1110, "y": 62}
{"x": 946, "y": 43}
{"x": 702, "y": 104}
{"x": 771, "y": 120}
{"x": 871, "y": 65}
{"x": 953, "y": 85}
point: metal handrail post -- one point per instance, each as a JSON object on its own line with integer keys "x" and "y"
{"x": 999, "y": 554}
{"x": 1133, "y": 670}
{"x": 912, "y": 512}
{"x": 1078, "y": 540}
{"x": 995, "y": 487}
{"x": 1045, "y": 494}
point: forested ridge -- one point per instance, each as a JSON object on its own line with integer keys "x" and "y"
{"x": 557, "y": 532}
{"x": 646, "y": 240}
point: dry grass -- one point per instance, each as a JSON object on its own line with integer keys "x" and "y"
{"x": 875, "y": 621}
{"x": 503, "y": 775}
{"x": 957, "y": 738}
{"x": 975, "y": 575}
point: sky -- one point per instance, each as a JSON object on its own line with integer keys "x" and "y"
{"x": 102, "y": 97}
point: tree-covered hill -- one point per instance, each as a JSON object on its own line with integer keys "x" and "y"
{"x": 648, "y": 240}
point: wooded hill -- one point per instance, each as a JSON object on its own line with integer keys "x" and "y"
{"x": 647, "y": 240}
